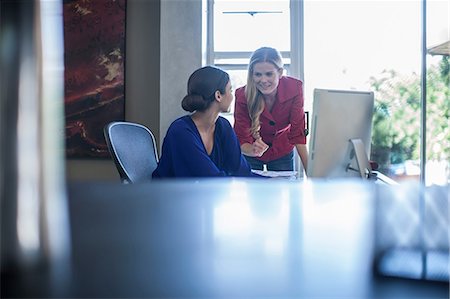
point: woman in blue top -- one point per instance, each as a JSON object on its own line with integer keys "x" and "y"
{"x": 203, "y": 144}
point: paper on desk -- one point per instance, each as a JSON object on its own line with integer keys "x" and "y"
{"x": 276, "y": 174}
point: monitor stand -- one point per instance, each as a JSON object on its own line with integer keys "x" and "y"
{"x": 362, "y": 161}
{"x": 364, "y": 167}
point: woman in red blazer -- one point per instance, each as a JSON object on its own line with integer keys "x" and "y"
{"x": 269, "y": 114}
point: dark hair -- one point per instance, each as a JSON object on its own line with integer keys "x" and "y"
{"x": 202, "y": 86}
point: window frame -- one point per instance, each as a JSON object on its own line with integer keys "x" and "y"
{"x": 294, "y": 68}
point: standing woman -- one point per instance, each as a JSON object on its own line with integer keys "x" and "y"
{"x": 269, "y": 114}
{"x": 203, "y": 144}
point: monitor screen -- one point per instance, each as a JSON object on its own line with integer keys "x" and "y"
{"x": 338, "y": 118}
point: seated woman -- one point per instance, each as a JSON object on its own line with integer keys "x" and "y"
{"x": 203, "y": 144}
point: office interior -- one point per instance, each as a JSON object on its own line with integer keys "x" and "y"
{"x": 64, "y": 196}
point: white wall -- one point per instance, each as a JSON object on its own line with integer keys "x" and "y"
{"x": 181, "y": 37}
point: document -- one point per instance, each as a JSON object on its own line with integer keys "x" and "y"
{"x": 276, "y": 174}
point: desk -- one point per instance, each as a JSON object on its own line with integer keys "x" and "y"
{"x": 221, "y": 238}
{"x": 376, "y": 176}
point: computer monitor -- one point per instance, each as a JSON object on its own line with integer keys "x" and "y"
{"x": 339, "y": 146}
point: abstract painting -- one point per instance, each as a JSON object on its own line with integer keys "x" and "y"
{"x": 94, "y": 74}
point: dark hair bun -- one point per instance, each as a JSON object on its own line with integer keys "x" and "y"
{"x": 202, "y": 86}
{"x": 194, "y": 102}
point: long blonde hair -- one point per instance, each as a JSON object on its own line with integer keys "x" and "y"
{"x": 255, "y": 102}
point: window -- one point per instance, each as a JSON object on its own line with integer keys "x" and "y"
{"x": 236, "y": 28}
{"x": 355, "y": 45}
{"x": 376, "y": 45}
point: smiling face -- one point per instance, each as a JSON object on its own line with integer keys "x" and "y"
{"x": 266, "y": 77}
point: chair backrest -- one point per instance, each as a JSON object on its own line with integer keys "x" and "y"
{"x": 133, "y": 149}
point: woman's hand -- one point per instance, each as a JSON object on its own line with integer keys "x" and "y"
{"x": 256, "y": 149}
{"x": 259, "y": 147}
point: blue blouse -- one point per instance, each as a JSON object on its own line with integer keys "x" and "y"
{"x": 184, "y": 155}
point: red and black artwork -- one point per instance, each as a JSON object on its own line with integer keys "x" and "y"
{"x": 94, "y": 51}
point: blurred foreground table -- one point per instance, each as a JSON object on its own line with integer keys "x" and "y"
{"x": 221, "y": 238}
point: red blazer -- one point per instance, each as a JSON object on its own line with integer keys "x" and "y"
{"x": 281, "y": 128}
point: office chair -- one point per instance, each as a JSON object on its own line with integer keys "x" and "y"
{"x": 133, "y": 149}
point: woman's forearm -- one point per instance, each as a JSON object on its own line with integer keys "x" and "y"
{"x": 302, "y": 151}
